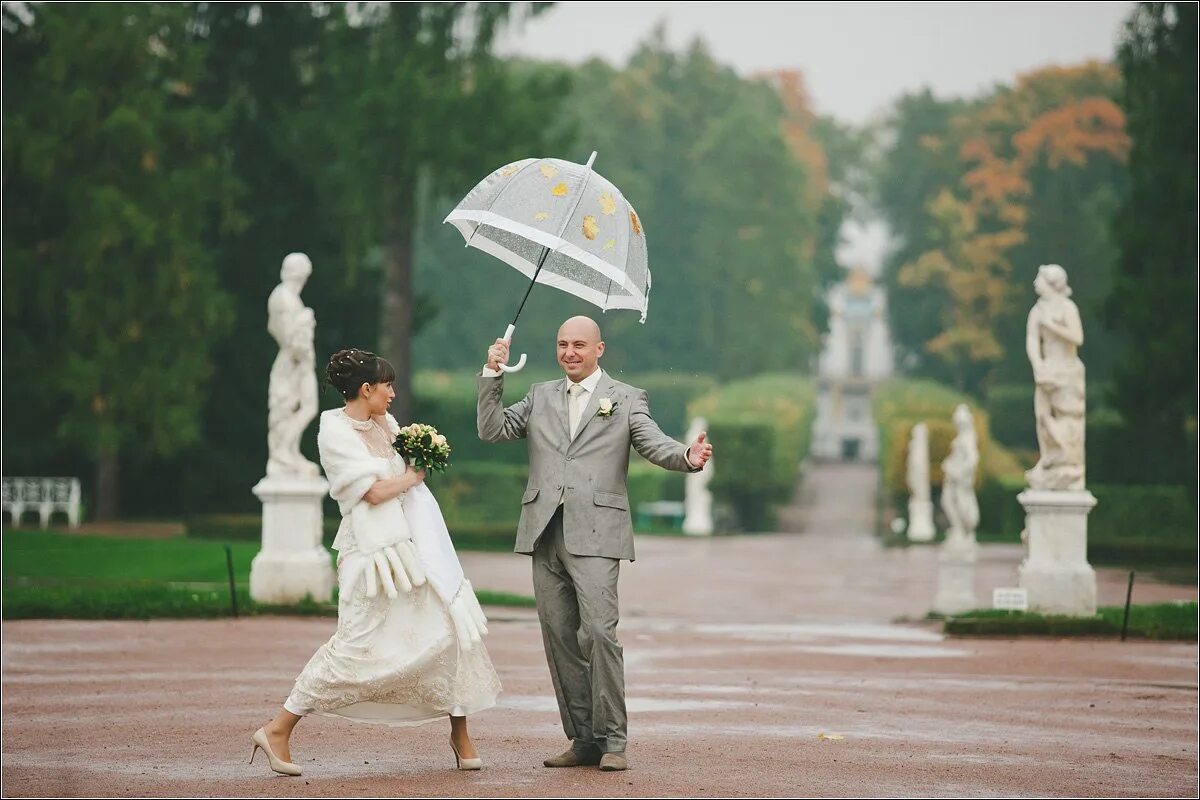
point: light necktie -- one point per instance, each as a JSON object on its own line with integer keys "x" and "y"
{"x": 575, "y": 406}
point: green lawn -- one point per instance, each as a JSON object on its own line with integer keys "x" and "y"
{"x": 57, "y": 575}
{"x": 65, "y": 556}
{"x": 1175, "y": 621}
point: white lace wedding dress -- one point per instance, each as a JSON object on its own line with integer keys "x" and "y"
{"x": 392, "y": 661}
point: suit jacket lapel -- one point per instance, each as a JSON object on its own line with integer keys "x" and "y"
{"x": 560, "y": 406}
{"x": 603, "y": 389}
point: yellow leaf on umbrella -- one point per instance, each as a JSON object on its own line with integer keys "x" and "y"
{"x": 607, "y": 204}
{"x": 610, "y": 244}
{"x": 560, "y": 190}
{"x": 548, "y": 170}
{"x": 541, "y": 216}
{"x": 511, "y": 169}
{"x": 590, "y": 228}
{"x": 637, "y": 223}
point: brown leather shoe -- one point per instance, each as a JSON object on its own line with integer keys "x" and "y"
{"x": 613, "y": 762}
{"x": 574, "y": 759}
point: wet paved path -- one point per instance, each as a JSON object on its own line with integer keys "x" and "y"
{"x": 740, "y": 652}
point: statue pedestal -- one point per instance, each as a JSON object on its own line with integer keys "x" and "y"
{"x": 292, "y": 563}
{"x": 1055, "y": 572}
{"x": 920, "y": 521}
{"x": 697, "y": 504}
{"x": 956, "y": 577}
{"x": 698, "y": 522}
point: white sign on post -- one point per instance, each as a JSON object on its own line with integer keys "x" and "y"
{"x": 1010, "y": 599}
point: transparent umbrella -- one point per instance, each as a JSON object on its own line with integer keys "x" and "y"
{"x": 563, "y": 225}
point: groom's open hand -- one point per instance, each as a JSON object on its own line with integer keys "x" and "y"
{"x": 497, "y": 354}
{"x": 700, "y": 451}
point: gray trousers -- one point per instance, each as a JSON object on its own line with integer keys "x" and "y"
{"x": 577, "y": 607}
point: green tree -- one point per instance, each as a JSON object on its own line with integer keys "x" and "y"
{"x": 113, "y": 176}
{"x": 1152, "y": 304}
{"x": 701, "y": 154}
{"x": 285, "y": 71}
{"x": 407, "y": 100}
{"x": 1037, "y": 169}
{"x": 919, "y": 160}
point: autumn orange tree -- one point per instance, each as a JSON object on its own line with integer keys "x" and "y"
{"x": 1039, "y": 169}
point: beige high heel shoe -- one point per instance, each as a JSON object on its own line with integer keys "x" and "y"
{"x": 278, "y": 764}
{"x": 464, "y": 763}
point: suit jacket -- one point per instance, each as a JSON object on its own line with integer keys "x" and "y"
{"x": 586, "y": 475}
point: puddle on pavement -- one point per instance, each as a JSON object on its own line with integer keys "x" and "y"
{"x": 809, "y": 631}
{"x": 635, "y": 705}
{"x": 884, "y": 651}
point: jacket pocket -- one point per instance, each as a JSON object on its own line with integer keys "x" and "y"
{"x": 611, "y": 500}
{"x": 529, "y": 496}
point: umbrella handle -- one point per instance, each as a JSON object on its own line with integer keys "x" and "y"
{"x": 520, "y": 365}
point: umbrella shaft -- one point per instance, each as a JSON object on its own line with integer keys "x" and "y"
{"x": 536, "y": 272}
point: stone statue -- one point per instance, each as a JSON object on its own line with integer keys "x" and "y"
{"x": 292, "y": 394}
{"x": 958, "y": 481}
{"x": 918, "y": 462}
{"x": 1053, "y": 335}
{"x": 697, "y": 498}
{"x": 920, "y": 508}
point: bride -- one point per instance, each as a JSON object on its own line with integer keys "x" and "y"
{"x": 408, "y": 654}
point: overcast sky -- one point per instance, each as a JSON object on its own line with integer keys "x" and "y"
{"x": 856, "y": 57}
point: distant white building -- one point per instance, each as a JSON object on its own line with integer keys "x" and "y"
{"x": 856, "y": 354}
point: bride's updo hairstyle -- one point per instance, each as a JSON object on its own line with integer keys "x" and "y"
{"x": 349, "y": 369}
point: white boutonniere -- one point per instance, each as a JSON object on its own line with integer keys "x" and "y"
{"x": 606, "y": 407}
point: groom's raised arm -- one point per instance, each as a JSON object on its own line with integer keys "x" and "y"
{"x": 651, "y": 443}
{"x": 495, "y": 422}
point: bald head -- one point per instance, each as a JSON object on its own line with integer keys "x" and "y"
{"x": 580, "y": 326}
{"x": 579, "y": 347}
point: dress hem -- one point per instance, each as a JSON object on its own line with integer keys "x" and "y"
{"x": 409, "y": 723}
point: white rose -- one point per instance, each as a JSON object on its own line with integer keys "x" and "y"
{"x": 439, "y": 440}
{"x": 606, "y": 405}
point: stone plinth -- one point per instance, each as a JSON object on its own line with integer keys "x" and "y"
{"x": 920, "y": 521}
{"x": 292, "y": 563}
{"x": 1055, "y": 572}
{"x": 956, "y": 577}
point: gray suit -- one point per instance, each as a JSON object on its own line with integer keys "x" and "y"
{"x": 575, "y": 523}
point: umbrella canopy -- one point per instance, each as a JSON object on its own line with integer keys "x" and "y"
{"x": 563, "y": 225}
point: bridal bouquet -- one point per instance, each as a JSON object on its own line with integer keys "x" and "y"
{"x": 423, "y": 447}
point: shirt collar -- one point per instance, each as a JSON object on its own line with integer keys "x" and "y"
{"x": 590, "y": 382}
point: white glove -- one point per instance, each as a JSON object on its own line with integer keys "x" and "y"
{"x": 470, "y": 624}
{"x": 390, "y": 565}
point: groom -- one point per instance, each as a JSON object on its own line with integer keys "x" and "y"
{"x": 575, "y": 523}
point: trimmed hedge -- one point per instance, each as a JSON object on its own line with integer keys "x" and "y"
{"x": 899, "y": 404}
{"x": 762, "y": 427}
{"x": 1169, "y": 621}
{"x": 669, "y": 394}
{"x": 1001, "y": 517}
{"x": 1116, "y": 453}
{"x": 447, "y": 401}
{"x": 1125, "y": 454}
{"x": 1131, "y": 526}
{"x": 1010, "y": 411}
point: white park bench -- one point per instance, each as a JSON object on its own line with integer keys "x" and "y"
{"x": 42, "y": 495}
{"x": 671, "y": 510}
